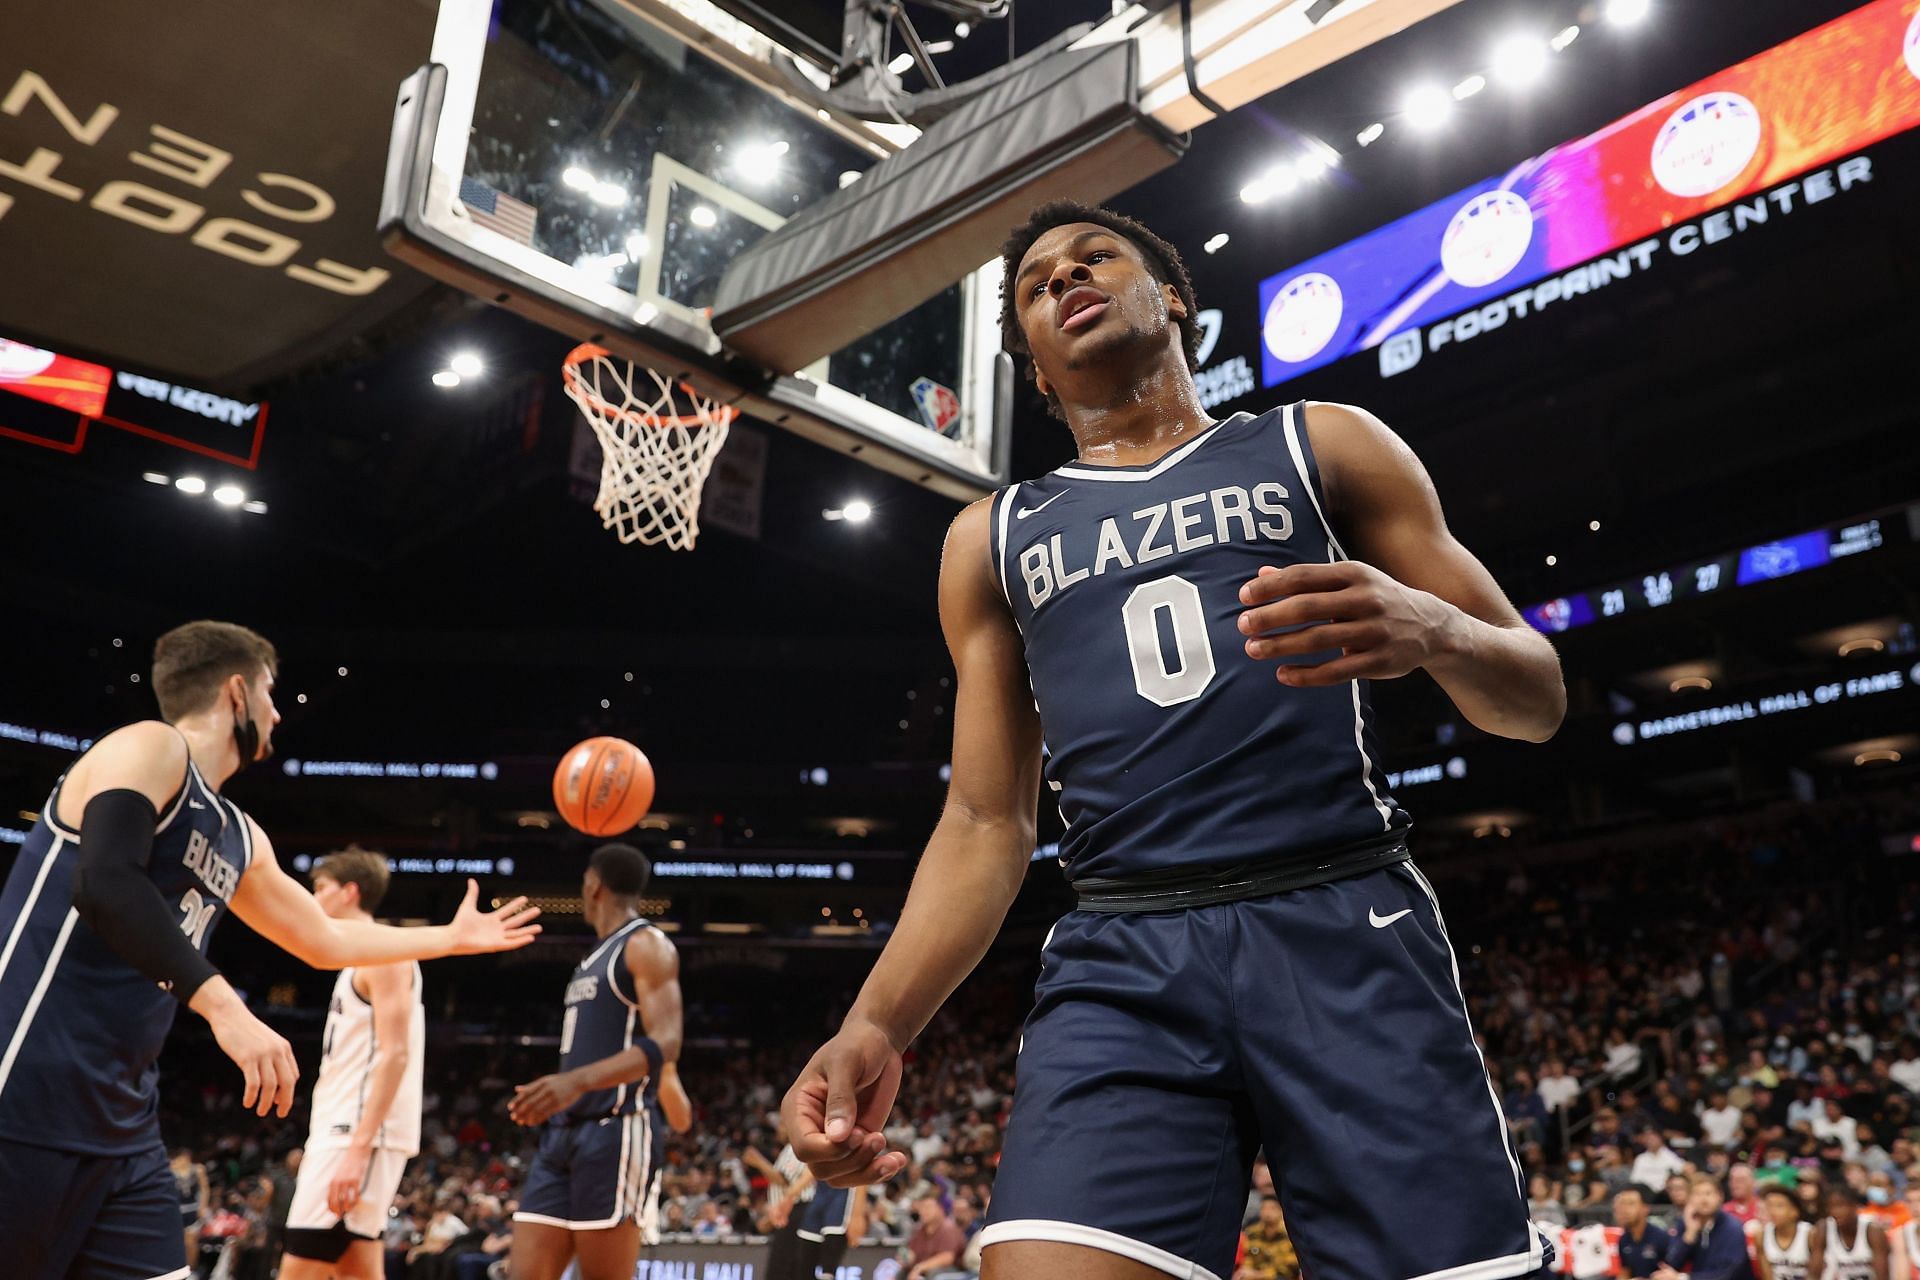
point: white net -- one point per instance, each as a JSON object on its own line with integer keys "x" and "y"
{"x": 654, "y": 460}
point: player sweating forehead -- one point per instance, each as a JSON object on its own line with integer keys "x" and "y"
{"x": 1076, "y": 240}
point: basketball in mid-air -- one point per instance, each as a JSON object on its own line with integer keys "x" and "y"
{"x": 603, "y": 786}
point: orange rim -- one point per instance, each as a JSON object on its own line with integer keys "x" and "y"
{"x": 719, "y": 415}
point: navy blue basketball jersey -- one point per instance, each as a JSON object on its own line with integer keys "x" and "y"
{"x": 81, "y": 1028}
{"x": 602, "y": 1019}
{"x": 1167, "y": 745}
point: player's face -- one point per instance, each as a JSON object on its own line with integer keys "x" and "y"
{"x": 1084, "y": 292}
{"x": 1841, "y": 1211}
{"x": 1629, "y": 1209}
{"x": 332, "y": 896}
{"x": 257, "y": 698}
{"x": 1781, "y": 1210}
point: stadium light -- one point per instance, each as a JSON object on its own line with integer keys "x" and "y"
{"x": 1519, "y": 62}
{"x": 1468, "y": 87}
{"x": 467, "y": 364}
{"x": 446, "y": 378}
{"x": 900, "y": 63}
{"x": 857, "y": 512}
{"x": 1627, "y": 13}
{"x": 1216, "y": 243}
{"x": 1565, "y": 37}
{"x": 229, "y": 495}
{"x": 611, "y": 194}
{"x": 1370, "y": 135}
{"x": 702, "y": 216}
{"x": 1427, "y": 107}
{"x": 577, "y": 178}
{"x": 192, "y": 485}
{"x": 154, "y": 477}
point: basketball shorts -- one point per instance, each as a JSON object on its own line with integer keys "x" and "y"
{"x": 67, "y": 1216}
{"x": 1326, "y": 1025}
{"x": 590, "y": 1175}
{"x": 826, "y": 1214}
{"x": 317, "y": 1232}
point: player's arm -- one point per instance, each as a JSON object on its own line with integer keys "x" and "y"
{"x": 1877, "y": 1246}
{"x": 857, "y": 1219}
{"x": 1412, "y": 597}
{"x": 118, "y": 790}
{"x": 279, "y": 909}
{"x": 967, "y": 879}
{"x": 389, "y": 989}
{"x": 655, "y": 967}
{"x": 675, "y": 1105}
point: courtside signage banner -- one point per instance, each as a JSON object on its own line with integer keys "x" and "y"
{"x": 1760, "y": 141}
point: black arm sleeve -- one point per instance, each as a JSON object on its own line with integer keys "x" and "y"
{"x": 114, "y": 895}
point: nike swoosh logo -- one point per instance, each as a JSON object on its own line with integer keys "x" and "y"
{"x": 195, "y": 804}
{"x": 1024, "y": 512}
{"x": 1379, "y": 921}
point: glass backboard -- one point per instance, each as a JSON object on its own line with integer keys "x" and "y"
{"x": 598, "y": 163}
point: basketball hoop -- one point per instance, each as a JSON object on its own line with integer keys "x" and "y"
{"x": 653, "y": 460}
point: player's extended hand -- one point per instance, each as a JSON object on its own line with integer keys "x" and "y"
{"x": 837, "y": 1108}
{"x": 534, "y": 1103}
{"x": 263, "y": 1056}
{"x": 349, "y": 1176}
{"x": 1384, "y": 627}
{"x": 475, "y": 931}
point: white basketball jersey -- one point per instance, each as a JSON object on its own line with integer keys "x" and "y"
{"x": 1789, "y": 1263}
{"x": 1854, "y": 1262}
{"x": 1912, "y": 1230}
{"x": 346, "y": 1069}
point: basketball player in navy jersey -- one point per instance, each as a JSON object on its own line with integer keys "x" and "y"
{"x": 1176, "y": 630}
{"x": 593, "y": 1193}
{"x": 106, "y": 915}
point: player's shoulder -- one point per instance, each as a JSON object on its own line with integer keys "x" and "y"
{"x": 148, "y": 756}
{"x": 154, "y": 740}
{"x": 649, "y": 944}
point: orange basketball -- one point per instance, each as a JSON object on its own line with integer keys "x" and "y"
{"x": 603, "y": 786}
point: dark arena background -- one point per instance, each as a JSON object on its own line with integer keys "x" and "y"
{"x": 1678, "y": 422}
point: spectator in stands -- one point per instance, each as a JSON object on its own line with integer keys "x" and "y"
{"x": 1526, "y": 1110}
{"x": 1679, "y": 1188}
{"x": 1711, "y": 1244}
{"x": 1906, "y": 1071}
{"x": 1643, "y": 1242}
{"x": 1720, "y": 1122}
{"x": 1670, "y": 1115}
{"x": 1742, "y": 1203}
{"x": 928, "y": 1146}
{"x": 1543, "y": 1201}
{"x": 1837, "y": 1133}
{"x": 1623, "y": 1054}
{"x": 1805, "y": 1108}
{"x": 1557, "y": 1089}
{"x": 1269, "y": 1249}
{"x": 936, "y": 1244}
{"x": 443, "y": 1228}
{"x": 1656, "y": 1162}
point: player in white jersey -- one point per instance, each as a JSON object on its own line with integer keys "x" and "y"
{"x": 1786, "y": 1238}
{"x": 366, "y": 1103}
{"x": 1906, "y": 1241}
{"x": 1852, "y": 1247}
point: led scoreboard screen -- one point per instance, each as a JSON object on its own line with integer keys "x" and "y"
{"x": 1759, "y": 142}
{"x": 1781, "y": 558}
{"x": 60, "y": 396}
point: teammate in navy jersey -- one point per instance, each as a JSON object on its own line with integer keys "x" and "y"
{"x": 593, "y": 1193}
{"x": 106, "y": 916}
{"x": 1176, "y": 631}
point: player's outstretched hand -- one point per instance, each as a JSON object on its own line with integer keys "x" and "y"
{"x": 837, "y": 1109}
{"x": 508, "y": 928}
{"x": 535, "y": 1103}
{"x": 1384, "y": 627}
{"x": 263, "y": 1056}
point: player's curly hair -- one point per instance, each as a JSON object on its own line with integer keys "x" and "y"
{"x": 1163, "y": 261}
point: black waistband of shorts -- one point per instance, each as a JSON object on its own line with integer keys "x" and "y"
{"x": 1180, "y": 888}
